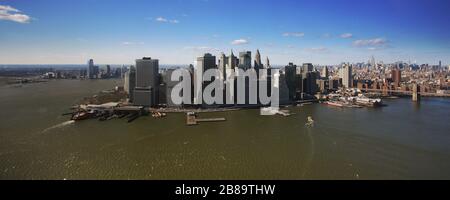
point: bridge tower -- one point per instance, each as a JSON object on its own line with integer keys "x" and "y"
{"x": 415, "y": 92}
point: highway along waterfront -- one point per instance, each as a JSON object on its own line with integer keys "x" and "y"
{"x": 403, "y": 140}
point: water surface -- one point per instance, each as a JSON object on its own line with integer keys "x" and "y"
{"x": 403, "y": 140}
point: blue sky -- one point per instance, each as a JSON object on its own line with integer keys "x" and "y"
{"x": 176, "y": 31}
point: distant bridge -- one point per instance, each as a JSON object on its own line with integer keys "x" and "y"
{"x": 405, "y": 92}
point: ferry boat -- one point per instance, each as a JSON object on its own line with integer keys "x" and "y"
{"x": 365, "y": 101}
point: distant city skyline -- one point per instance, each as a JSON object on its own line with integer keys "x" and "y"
{"x": 177, "y": 32}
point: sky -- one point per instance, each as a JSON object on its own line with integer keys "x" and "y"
{"x": 177, "y": 31}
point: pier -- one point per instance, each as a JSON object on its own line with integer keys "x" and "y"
{"x": 191, "y": 119}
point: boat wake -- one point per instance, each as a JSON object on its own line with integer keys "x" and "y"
{"x": 64, "y": 124}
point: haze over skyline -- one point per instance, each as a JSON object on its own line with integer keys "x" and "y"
{"x": 177, "y": 31}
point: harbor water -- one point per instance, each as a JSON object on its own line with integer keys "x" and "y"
{"x": 403, "y": 140}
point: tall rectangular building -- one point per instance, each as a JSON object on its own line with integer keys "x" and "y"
{"x": 90, "y": 69}
{"x": 130, "y": 82}
{"x": 147, "y": 82}
{"x": 396, "y": 76}
{"x": 207, "y": 61}
{"x": 346, "y": 76}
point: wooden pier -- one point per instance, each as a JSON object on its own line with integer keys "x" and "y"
{"x": 191, "y": 119}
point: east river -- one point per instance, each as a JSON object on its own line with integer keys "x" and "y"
{"x": 403, "y": 140}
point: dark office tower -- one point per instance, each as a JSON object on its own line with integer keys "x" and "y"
{"x": 223, "y": 61}
{"x": 147, "y": 82}
{"x": 207, "y": 61}
{"x": 245, "y": 59}
{"x": 108, "y": 70}
{"x": 310, "y": 83}
{"x": 90, "y": 69}
{"x": 130, "y": 82}
{"x": 232, "y": 61}
{"x": 440, "y": 64}
{"x": 307, "y": 67}
{"x": 290, "y": 75}
{"x": 396, "y": 76}
{"x": 258, "y": 64}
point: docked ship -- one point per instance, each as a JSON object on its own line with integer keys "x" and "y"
{"x": 365, "y": 101}
{"x": 334, "y": 103}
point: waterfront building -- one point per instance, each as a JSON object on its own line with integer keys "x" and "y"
{"x": 130, "y": 82}
{"x": 310, "y": 82}
{"x": 143, "y": 97}
{"x": 92, "y": 70}
{"x": 346, "y": 76}
{"x": 108, "y": 70}
{"x": 283, "y": 89}
{"x": 207, "y": 61}
{"x": 291, "y": 79}
{"x": 147, "y": 82}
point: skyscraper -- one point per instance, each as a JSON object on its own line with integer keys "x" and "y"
{"x": 245, "y": 59}
{"x": 396, "y": 76}
{"x": 232, "y": 61}
{"x": 258, "y": 64}
{"x": 372, "y": 62}
{"x": 130, "y": 82}
{"x": 90, "y": 70}
{"x": 207, "y": 61}
{"x": 147, "y": 82}
{"x": 325, "y": 72}
{"x": 346, "y": 75}
{"x": 223, "y": 61}
{"x": 267, "y": 63}
{"x": 108, "y": 70}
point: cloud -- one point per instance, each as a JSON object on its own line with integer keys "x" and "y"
{"x": 293, "y": 34}
{"x": 317, "y": 49}
{"x": 346, "y": 35}
{"x": 165, "y": 20}
{"x": 126, "y": 43}
{"x": 239, "y": 42}
{"x": 12, "y": 14}
{"x": 375, "y": 42}
{"x": 161, "y": 19}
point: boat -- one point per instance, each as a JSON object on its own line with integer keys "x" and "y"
{"x": 81, "y": 115}
{"x": 310, "y": 122}
{"x": 334, "y": 103}
{"x": 365, "y": 101}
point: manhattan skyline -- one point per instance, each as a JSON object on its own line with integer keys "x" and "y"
{"x": 176, "y": 32}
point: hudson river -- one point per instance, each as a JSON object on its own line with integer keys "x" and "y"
{"x": 400, "y": 141}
